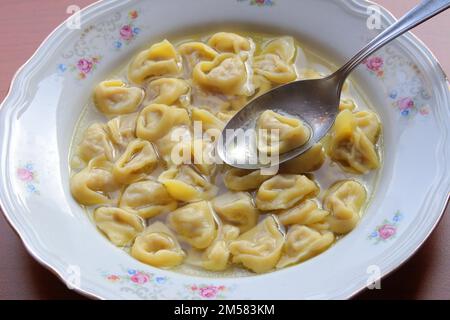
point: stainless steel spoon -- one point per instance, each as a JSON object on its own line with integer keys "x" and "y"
{"x": 316, "y": 102}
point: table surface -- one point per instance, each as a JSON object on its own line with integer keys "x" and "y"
{"x": 425, "y": 276}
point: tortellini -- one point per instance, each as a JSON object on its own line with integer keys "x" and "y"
{"x": 244, "y": 180}
{"x": 309, "y": 161}
{"x": 122, "y": 129}
{"x": 237, "y": 208}
{"x": 169, "y": 91}
{"x": 161, "y": 59}
{"x": 173, "y": 146}
{"x": 120, "y": 226}
{"x": 208, "y": 120}
{"x": 95, "y": 143}
{"x": 194, "y": 224}
{"x": 148, "y": 171}
{"x": 351, "y": 146}
{"x": 185, "y": 184}
{"x": 138, "y": 160}
{"x": 113, "y": 97}
{"x": 148, "y": 199}
{"x": 158, "y": 247}
{"x": 283, "y": 47}
{"x": 157, "y": 120}
{"x": 284, "y": 191}
{"x": 194, "y": 52}
{"x": 229, "y": 42}
{"x": 306, "y": 213}
{"x": 273, "y": 68}
{"x": 279, "y": 134}
{"x": 93, "y": 184}
{"x": 226, "y": 74}
{"x": 344, "y": 201}
{"x": 303, "y": 243}
{"x": 216, "y": 257}
{"x": 259, "y": 249}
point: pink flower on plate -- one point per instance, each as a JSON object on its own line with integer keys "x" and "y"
{"x": 208, "y": 292}
{"x": 386, "y": 231}
{"x": 405, "y": 104}
{"x": 126, "y": 32}
{"x": 84, "y": 65}
{"x": 113, "y": 278}
{"x": 25, "y": 174}
{"x": 374, "y": 63}
{"x": 140, "y": 278}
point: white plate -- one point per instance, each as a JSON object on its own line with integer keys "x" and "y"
{"x": 409, "y": 91}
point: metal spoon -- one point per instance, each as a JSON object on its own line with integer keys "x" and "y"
{"x": 316, "y": 102}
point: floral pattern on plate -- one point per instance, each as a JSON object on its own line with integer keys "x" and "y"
{"x": 387, "y": 230}
{"x": 148, "y": 285}
{"x": 28, "y": 176}
{"x": 402, "y": 80}
{"x": 117, "y": 31}
{"x": 259, "y": 3}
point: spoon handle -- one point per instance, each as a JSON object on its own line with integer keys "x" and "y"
{"x": 419, "y": 14}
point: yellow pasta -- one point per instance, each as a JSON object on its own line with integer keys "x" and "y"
{"x": 305, "y": 213}
{"x": 148, "y": 199}
{"x": 303, "y": 243}
{"x": 344, "y": 201}
{"x": 95, "y": 143}
{"x": 184, "y": 184}
{"x": 309, "y": 161}
{"x": 229, "y": 42}
{"x": 225, "y": 74}
{"x": 92, "y": 185}
{"x": 236, "y": 208}
{"x": 157, "y": 120}
{"x": 279, "y": 134}
{"x": 161, "y": 59}
{"x": 350, "y": 146}
{"x": 274, "y": 69}
{"x": 259, "y": 249}
{"x": 284, "y": 191}
{"x": 158, "y": 247}
{"x": 120, "y": 226}
{"x": 122, "y": 129}
{"x": 194, "y": 224}
{"x": 169, "y": 91}
{"x": 244, "y": 180}
{"x": 138, "y": 160}
{"x": 113, "y": 97}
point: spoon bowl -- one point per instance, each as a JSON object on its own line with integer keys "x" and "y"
{"x": 305, "y": 100}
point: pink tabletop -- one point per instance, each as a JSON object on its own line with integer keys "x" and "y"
{"x": 25, "y": 24}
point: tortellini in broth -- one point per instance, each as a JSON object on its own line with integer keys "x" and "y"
{"x": 161, "y": 59}
{"x": 120, "y": 226}
{"x": 158, "y": 246}
{"x": 279, "y": 134}
{"x": 350, "y": 142}
{"x": 94, "y": 184}
{"x": 148, "y": 199}
{"x": 344, "y": 200}
{"x": 226, "y": 74}
{"x": 186, "y": 184}
{"x": 284, "y": 191}
{"x": 237, "y": 208}
{"x": 259, "y": 249}
{"x": 153, "y": 184}
{"x": 138, "y": 161}
{"x": 195, "y": 224}
{"x": 114, "y": 97}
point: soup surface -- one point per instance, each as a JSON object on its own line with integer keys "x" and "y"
{"x": 143, "y": 162}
